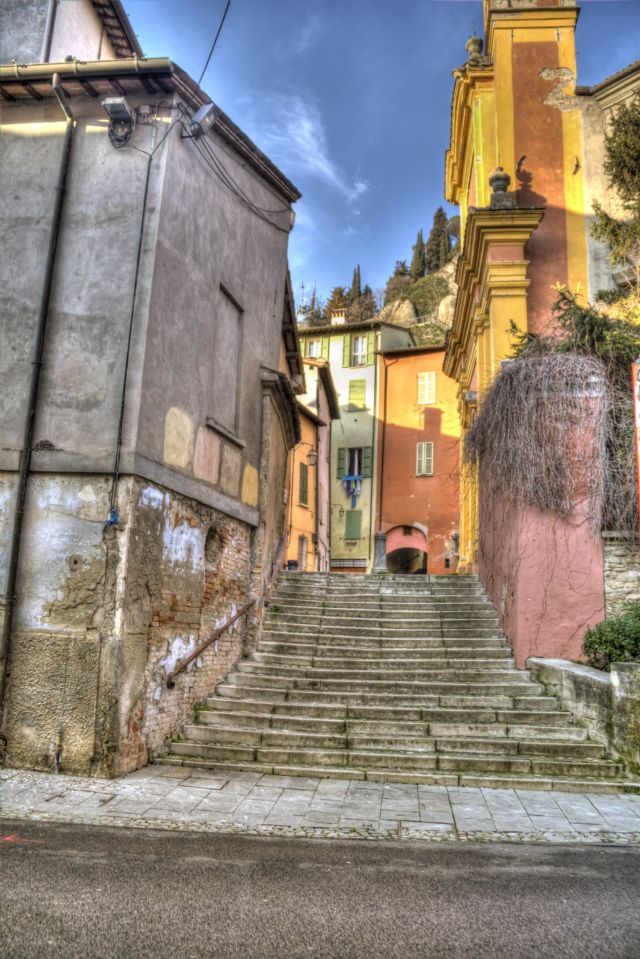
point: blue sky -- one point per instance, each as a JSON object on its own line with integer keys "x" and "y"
{"x": 351, "y": 98}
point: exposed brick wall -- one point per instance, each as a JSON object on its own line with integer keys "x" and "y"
{"x": 187, "y": 571}
{"x": 621, "y": 572}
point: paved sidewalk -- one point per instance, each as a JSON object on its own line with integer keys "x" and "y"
{"x": 180, "y": 798}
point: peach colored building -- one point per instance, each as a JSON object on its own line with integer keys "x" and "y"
{"x": 418, "y": 458}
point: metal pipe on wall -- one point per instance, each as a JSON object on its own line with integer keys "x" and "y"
{"x": 24, "y": 468}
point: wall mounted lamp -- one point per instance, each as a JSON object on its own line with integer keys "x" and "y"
{"x": 122, "y": 120}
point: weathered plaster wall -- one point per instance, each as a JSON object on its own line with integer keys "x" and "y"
{"x": 544, "y": 575}
{"x": 187, "y": 571}
{"x": 65, "y": 622}
{"x": 78, "y": 32}
{"x": 621, "y": 572}
{"x": 22, "y": 25}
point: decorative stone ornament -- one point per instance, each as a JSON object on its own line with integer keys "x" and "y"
{"x": 499, "y": 182}
{"x": 474, "y": 46}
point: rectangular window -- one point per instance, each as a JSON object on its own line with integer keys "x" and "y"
{"x": 426, "y": 388}
{"x": 314, "y": 349}
{"x": 304, "y": 485}
{"x": 424, "y": 459}
{"x": 302, "y": 554}
{"x": 359, "y": 350}
{"x": 355, "y": 461}
{"x": 357, "y": 394}
{"x": 353, "y": 524}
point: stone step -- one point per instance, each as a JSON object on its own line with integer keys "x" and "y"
{"x": 416, "y": 739}
{"x": 375, "y": 678}
{"x": 381, "y": 642}
{"x": 434, "y": 778}
{"x": 405, "y": 760}
{"x": 291, "y": 652}
{"x": 494, "y": 659}
{"x": 384, "y": 714}
{"x": 424, "y": 694}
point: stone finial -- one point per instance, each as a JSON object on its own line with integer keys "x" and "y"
{"x": 499, "y": 182}
{"x": 474, "y": 46}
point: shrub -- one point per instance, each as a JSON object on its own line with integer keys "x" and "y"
{"x": 617, "y": 640}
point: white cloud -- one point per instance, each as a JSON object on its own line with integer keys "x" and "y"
{"x": 291, "y": 132}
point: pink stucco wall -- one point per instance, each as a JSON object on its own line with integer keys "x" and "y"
{"x": 544, "y": 574}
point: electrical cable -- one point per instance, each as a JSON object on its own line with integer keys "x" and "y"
{"x": 209, "y": 148}
{"x": 215, "y": 40}
{"x": 220, "y": 173}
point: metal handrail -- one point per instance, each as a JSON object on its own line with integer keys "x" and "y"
{"x": 170, "y": 680}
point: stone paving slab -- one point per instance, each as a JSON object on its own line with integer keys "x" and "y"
{"x": 180, "y": 798}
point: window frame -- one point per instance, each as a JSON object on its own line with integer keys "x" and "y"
{"x": 359, "y": 358}
{"x": 424, "y": 458}
{"x": 426, "y": 388}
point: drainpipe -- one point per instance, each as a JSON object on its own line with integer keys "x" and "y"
{"x": 27, "y": 442}
{"x": 373, "y": 447}
{"x": 45, "y": 53}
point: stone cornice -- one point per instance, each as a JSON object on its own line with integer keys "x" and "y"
{"x": 468, "y": 81}
{"x": 522, "y": 18}
{"x": 479, "y": 279}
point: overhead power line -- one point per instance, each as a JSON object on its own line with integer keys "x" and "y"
{"x": 215, "y": 40}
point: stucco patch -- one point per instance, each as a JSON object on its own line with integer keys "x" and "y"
{"x": 250, "y": 485}
{"x": 206, "y": 459}
{"x": 179, "y": 433}
{"x": 230, "y": 472}
{"x": 558, "y": 97}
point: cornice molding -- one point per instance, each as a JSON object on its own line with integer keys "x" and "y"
{"x": 469, "y": 80}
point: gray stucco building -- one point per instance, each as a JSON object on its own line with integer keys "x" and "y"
{"x": 152, "y": 447}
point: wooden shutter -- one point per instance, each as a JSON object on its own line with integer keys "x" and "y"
{"x": 304, "y": 484}
{"x": 426, "y": 388}
{"x": 357, "y": 394}
{"x": 367, "y": 462}
{"x": 324, "y": 348}
{"x": 353, "y": 524}
{"x": 346, "y": 350}
{"x": 342, "y": 462}
{"x": 303, "y": 346}
{"x": 371, "y": 345}
{"x": 424, "y": 459}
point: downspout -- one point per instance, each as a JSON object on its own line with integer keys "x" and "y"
{"x": 27, "y": 443}
{"x": 318, "y": 428}
{"x": 384, "y": 431}
{"x": 48, "y": 32}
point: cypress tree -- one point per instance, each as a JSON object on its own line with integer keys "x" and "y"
{"x": 438, "y": 245}
{"x": 356, "y": 288}
{"x": 418, "y": 266}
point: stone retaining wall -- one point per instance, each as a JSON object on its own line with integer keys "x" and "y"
{"x": 607, "y": 704}
{"x": 621, "y": 572}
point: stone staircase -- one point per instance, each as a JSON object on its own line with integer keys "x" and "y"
{"x": 395, "y": 679}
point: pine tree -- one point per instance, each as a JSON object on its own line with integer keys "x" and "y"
{"x": 418, "y": 266}
{"x": 356, "y": 288}
{"x": 438, "y": 245}
{"x": 622, "y": 166}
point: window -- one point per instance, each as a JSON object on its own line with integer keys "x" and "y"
{"x": 355, "y": 461}
{"x": 426, "y": 388}
{"x": 357, "y": 394}
{"x": 353, "y": 524}
{"x": 303, "y": 496}
{"x": 424, "y": 459}
{"x": 314, "y": 349}
{"x": 359, "y": 351}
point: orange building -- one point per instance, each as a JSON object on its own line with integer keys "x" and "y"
{"x": 418, "y": 459}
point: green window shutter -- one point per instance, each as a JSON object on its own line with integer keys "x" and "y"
{"x": 303, "y": 345}
{"x": 304, "y": 476}
{"x": 353, "y": 524}
{"x": 346, "y": 350}
{"x": 357, "y": 394}
{"x": 342, "y": 462}
{"x": 371, "y": 343}
{"x": 324, "y": 351}
{"x": 367, "y": 462}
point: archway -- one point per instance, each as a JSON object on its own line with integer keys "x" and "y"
{"x": 406, "y": 550}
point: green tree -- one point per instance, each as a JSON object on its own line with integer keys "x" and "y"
{"x": 418, "y": 266}
{"x": 364, "y": 307}
{"x": 338, "y": 300}
{"x": 438, "y": 246}
{"x": 356, "y": 285}
{"x": 622, "y": 167}
{"x": 426, "y": 294}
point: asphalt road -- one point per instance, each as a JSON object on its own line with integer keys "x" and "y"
{"x": 78, "y": 891}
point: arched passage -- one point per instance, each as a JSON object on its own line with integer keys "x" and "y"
{"x": 406, "y": 550}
